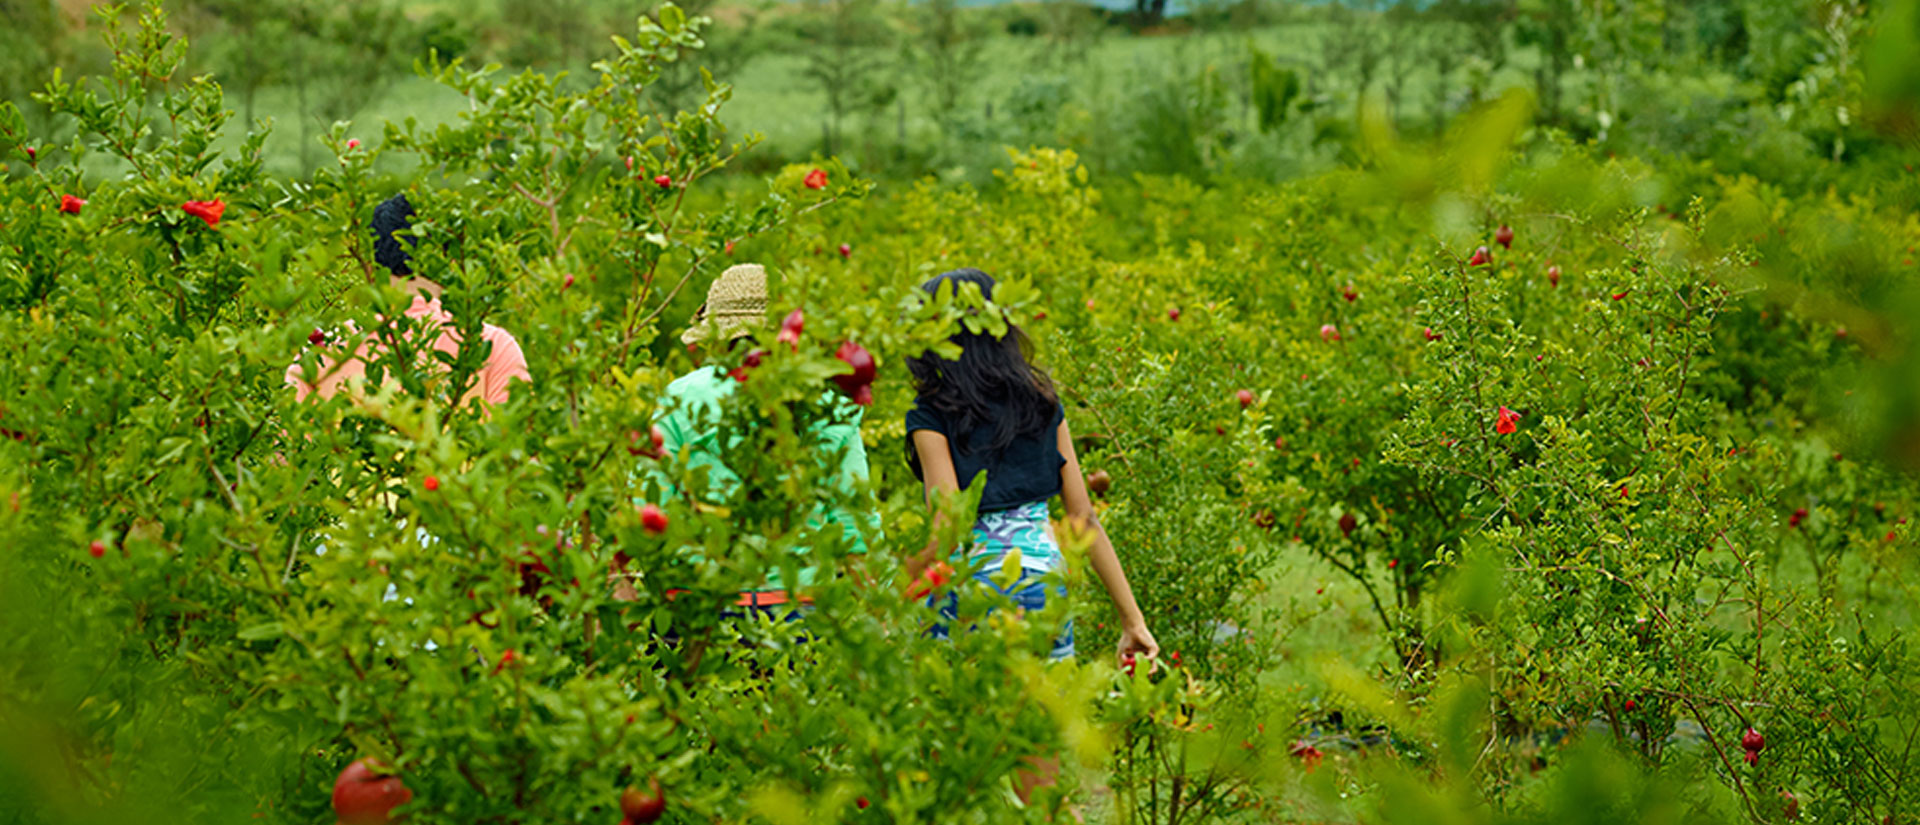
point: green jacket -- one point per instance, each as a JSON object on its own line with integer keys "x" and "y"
{"x": 694, "y": 399}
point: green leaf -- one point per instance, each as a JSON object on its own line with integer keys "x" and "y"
{"x": 263, "y": 630}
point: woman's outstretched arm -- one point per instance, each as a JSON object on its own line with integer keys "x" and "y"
{"x": 942, "y": 483}
{"x": 1134, "y": 636}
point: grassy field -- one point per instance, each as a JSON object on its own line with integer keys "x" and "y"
{"x": 774, "y": 97}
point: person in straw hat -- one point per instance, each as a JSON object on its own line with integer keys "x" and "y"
{"x": 690, "y": 419}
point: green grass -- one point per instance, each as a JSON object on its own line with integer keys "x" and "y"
{"x": 774, "y": 97}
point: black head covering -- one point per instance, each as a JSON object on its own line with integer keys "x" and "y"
{"x": 389, "y": 217}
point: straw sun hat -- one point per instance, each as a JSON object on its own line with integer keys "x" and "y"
{"x": 736, "y": 305}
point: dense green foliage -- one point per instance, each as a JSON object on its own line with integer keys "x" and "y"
{"x": 1521, "y": 531}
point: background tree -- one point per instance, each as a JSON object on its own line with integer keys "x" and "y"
{"x": 724, "y": 51}
{"x": 1404, "y": 31}
{"x": 32, "y": 42}
{"x": 1352, "y": 48}
{"x": 944, "y": 47}
{"x": 340, "y": 57}
{"x": 1552, "y": 27}
{"x": 1483, "y": 27}
{"x": 846, "y": 45}
{"x": 1068, "y": 31}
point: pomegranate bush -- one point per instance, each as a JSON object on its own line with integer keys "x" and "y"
{"x": 1583, "y": 467}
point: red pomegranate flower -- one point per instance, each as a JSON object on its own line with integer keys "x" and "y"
{"x": 208, "y": 211}
{"x": 816, "y": 179}
{"x": 930, "y": 579}
{"x": 1505, "y": 423}
{"x": 1308, "y": 755}
{"x": 71, "y": 205}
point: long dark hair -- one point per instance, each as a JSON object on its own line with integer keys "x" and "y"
{"x": 992, "y": 384}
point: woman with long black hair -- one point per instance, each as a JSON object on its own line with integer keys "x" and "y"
{"x": 992, "y": 411}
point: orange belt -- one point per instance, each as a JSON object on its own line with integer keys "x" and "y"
{"x": 756, "y": 598}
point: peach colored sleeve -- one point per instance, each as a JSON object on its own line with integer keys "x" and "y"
{"x": 301, "y": 389}
{"x": 505, "y": 364}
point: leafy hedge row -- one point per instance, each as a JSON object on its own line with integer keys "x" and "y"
{"x": 1584, "y": 482}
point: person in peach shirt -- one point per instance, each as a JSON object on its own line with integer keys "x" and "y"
{"x": 505, "y": 362}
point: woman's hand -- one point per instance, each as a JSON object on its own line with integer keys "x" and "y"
{"x": 1136, "y": 640}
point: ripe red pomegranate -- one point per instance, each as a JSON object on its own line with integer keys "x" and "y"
{"x": 857, "y": 384}
{"x": 641, "y": 808}
{"x": 1753, "y": 740}
{"x": 363, "y": 797}
{"x": 1246, "y": 398}
{"x": 1347, "y": 524}
{"x": 747, "y": 365}
{"x": 1329, "y": 332}
{"x": 431, "y": 483}
{"x": 1173, "y": 314}
{"x": 1504, "y": 236}
{"x": 1280, "y": 442}
{"x": 533, "y": 574}
{"x": 1099, "y": 482}
{"x": 1481, "y": 257}
{"x": 652, "y": 520}
{"x": 97, "y": 549}
{"x": 791, "y": 327}
{"x": 662, "y": 181}
{"x": 846, "y": 251}
{"x": 1631, "y": 705}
